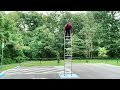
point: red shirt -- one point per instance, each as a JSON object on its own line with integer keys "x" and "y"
{"x": 68, "y": 26}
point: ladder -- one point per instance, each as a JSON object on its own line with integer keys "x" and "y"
{"x": 67, "y": 55}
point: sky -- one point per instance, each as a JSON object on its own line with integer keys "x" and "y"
{"x": 44, "y": 12}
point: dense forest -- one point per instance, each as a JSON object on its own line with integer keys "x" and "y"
{"x": 37, "y": 35}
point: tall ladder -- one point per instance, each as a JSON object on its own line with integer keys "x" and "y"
{"x": 68, "y": 54}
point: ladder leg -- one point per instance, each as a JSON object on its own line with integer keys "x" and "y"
{"x": 67, "y": 61}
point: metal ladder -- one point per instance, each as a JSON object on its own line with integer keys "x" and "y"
{"x": 67, "y": 55}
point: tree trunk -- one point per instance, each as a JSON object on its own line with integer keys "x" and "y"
{"x": 86, "y": 45}
{"x": 91, "y": 48}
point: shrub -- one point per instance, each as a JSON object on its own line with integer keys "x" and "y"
{"x": 102, "y": 52}
{"x": 19, "y": 59}
{"x": 8, "y": 61}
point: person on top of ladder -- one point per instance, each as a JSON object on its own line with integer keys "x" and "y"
{"x": 68, "y": 30}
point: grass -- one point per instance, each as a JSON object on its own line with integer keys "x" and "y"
{"x": 43, "y": 63}
{"x": 9, "y": 66}
{"x": 109, "y": 61}
{"x": 54, "y": 63}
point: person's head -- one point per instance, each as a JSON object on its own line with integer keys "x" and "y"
{"x": 68, "y": 24}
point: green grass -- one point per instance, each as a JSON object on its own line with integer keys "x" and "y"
{"x": 9, "y": 66}
{"x": 43, "y": 63}
{"x": 109, "y": 61}
{"x": 54, "y": 63}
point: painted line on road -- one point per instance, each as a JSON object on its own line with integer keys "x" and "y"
{"x": 68, "y": 76}
{"x": 2, "y": 74}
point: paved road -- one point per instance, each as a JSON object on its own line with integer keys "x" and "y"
{"x": 97, "y": 71}
{"x": 84, "y": 71}
{"x": 36, "y": 72}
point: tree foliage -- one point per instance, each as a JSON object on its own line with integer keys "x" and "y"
{"x": 35, "y": 35}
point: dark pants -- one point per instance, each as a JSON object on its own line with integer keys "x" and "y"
{"x": 67, "y": 33}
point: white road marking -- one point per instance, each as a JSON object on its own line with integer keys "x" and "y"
{"x": 35, "y": 70}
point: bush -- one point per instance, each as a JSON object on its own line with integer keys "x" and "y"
{"x": 102, "y": 52}
{"x": 8, "y": 61}
{"x": 19, "y": 59}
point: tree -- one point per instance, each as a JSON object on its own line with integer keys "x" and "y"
{"x": 110, "y": 32}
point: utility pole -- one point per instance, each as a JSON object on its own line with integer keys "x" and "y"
{"x": 2, "y": 54}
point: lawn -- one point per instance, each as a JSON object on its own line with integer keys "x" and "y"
{"x": 55, "y": 63}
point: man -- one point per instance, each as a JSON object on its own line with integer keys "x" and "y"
{"x": 68, "y": 30}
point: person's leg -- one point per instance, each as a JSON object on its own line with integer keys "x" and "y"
{"x": 65, "y": 34}
{"x": 69, "y": 34}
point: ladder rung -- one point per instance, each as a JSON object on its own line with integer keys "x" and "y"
{"x": 67, "y": 36}
{"x": 66, "y": 39}
{"x": 67, "y": 64}
{"x": 68, "y": 55}
{"x": 68, "y": 60}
